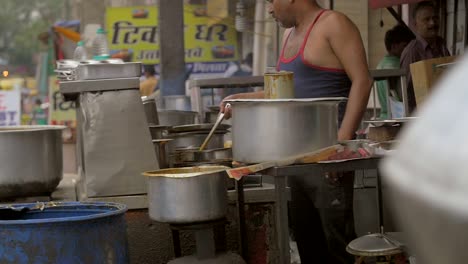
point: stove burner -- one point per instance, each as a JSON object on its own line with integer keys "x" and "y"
{"x": 205, "y": 243}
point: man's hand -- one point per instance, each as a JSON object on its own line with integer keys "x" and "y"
{"x": 227, "y": 111}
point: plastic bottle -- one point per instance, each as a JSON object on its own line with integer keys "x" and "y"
{"x": 80, "y": 52}
{"x": 100, "y": 47}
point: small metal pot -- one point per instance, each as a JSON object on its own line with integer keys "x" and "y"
{"x": 187, "y": 195}
{"x": 177, "y": 118}
{"x": 158, "y": 132}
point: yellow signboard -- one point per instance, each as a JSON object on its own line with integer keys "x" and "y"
{"x": 133, "y": 35}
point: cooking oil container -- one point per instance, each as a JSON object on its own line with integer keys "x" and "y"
{"x": 279, "y": 85}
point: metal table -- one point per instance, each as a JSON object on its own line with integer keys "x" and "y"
{"x": 281, "y": 205}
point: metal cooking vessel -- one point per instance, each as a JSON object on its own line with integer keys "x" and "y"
{"x": 31, "y": 160}
{"x": 177, "y": 118}
{"x": 187, "y": 195}
{"x": 210, "y": 155}
{"x": 195, "y": 139}
{"x": 267, "y": 129}
{"x": 151, "y": 111}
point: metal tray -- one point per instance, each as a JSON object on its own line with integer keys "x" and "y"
{"x": 198, "y": 127}
{"x": 103, "y": 70}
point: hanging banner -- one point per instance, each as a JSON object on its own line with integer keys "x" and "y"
{"x": 10, "y": 107}
{"x": 133, "y": 35}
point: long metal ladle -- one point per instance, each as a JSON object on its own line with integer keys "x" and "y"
{"x": 218, "y": 121}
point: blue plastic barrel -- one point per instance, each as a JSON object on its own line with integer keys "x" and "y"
{"x": 69, "y": 232}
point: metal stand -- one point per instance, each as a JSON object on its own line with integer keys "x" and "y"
{"x": 280, "y": 174}
{"x": 206, "y": 247}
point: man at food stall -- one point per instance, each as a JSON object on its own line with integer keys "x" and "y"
{"x": 427, "y": 45}
{"x": 324, "y": 49}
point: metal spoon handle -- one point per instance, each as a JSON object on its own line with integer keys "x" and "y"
{"x": 218, "y": 121}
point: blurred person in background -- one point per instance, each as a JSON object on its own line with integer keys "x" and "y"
{"x": 396, "y": 39}
{"x": 149, "y": 83}
{"x": 427, "y": 44}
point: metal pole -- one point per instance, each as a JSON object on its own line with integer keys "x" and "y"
{"x": 380, "y": 201}
{"x": 282, "y": 226}
{"x": 241, "y": 215}
{"x": 172, "y": 50}
{"x": 404, "y": 95}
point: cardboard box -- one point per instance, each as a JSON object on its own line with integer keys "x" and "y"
{"x": 426, "y": 73}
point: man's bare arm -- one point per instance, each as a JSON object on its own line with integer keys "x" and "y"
{"x": 346, "y": 42}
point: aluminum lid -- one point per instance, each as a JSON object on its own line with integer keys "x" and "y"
{"x": 374, "y": 245}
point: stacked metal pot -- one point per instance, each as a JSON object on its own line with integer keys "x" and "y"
{"x": 177, "y": 135}
{"x": 191, "y": 185}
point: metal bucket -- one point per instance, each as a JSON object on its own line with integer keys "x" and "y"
{"x": 31, "y": 161}
{"x": 67, "y": 232}
{"x": 267, "y": 130}
{"x": 279, "y": 85}
{"x": 187, "y": 195}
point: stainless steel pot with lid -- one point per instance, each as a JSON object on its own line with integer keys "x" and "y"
{"x": 273, "y": 129}
{"x": 31, "y": 160}
{"x": 187, "y": 195}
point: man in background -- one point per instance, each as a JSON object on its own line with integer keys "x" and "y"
{"x": 148, "y": 85}
{"x": 396, "y": 39}
{"x": 427, "y": 45}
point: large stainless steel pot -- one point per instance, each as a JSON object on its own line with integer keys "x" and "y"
{"x": 195, "y": 140}
{"x": 31, "y": 160}
{"x": 273, "y": 129}
{"x": 177, "y": 118}
{"x": 187, "y": 195}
